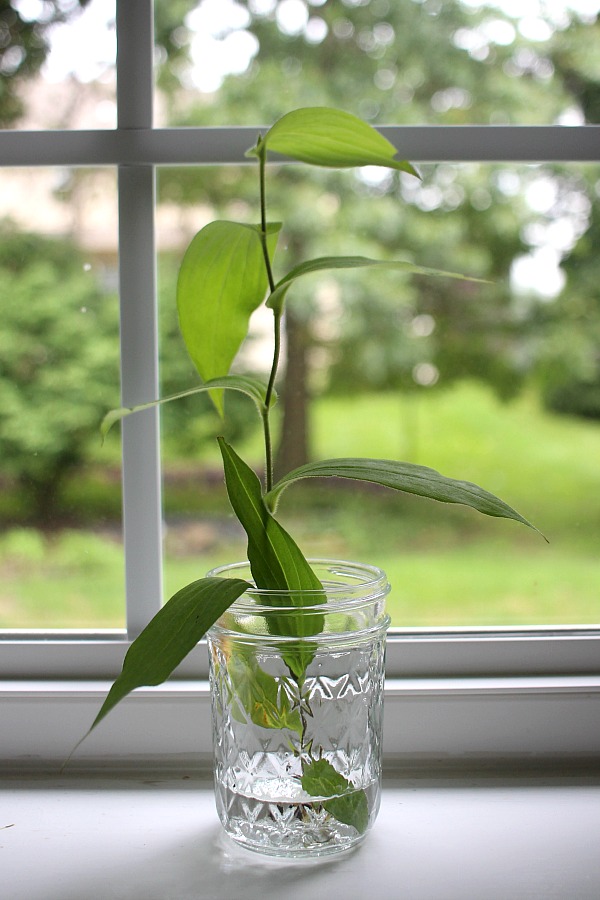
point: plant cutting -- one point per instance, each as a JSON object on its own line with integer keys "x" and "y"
{"x": 296, "y": 646}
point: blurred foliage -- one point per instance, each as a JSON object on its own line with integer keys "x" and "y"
{"x": 410, "y": 63}
{"x": 404, "y": 63}
{"x": 415, "y": 62}
{"x": 59, "y": 370}
{"x": 569, "y": 354}
{"x": 170, "y": 38}
{"x": 58, "y": 361}
{"x": 24, "y": 46}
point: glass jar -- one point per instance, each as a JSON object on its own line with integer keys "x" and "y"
{"x": 297, "y": 706}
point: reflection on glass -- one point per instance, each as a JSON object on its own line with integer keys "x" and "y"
{"x": 61, "y": 560}
{"x": 57, "y": 64}
{"x": 496, "y": 383}
{"x": 416, "y": 62}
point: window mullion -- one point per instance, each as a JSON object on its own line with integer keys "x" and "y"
{"x": 142, "y": 507}
{"x": 221, "y": 145}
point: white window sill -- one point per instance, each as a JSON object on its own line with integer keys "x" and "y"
{"x": 144, "y": 837}
{"x": 428, "y": 723}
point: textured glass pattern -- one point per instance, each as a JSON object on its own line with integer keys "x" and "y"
{"x": 270, "y": 728}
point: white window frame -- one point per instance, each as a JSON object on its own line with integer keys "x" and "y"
{"x": 453, "y": 696}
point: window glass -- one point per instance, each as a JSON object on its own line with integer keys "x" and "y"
{"x": 57, "y": 64}
{"x": 496, "y": 383}
{"x": 415, "y": 62}
{"x": 61, "y": 560}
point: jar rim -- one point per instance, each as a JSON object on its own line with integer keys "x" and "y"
{"x": 366, "y": 582}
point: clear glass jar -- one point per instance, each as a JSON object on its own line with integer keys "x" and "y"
{"x": 297, "y": 705}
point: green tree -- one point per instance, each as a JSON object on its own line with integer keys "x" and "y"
{"x": 409, "y": 63}
{"x": 569, "y": 359}
{"x": 573, "y": 54}
{"x": 58, "y": 363}
{"x": 25, "y": 44}
{"x": 24, "y": 47}
{"x": 59, "y": 337}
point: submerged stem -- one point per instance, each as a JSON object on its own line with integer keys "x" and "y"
{"x": 305, "y": 750}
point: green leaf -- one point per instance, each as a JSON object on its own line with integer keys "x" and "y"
{"x": 402, "y": 476}
{"x": 277, "y": 297}
{"x": 252, "y": 387}
{"x": 259, "y": 696}
{"x": 351, "y": 809}
{"x": 328, "y": 137}
{"x": 172, "y": 634}
{"x": 276, "y": 561}
{"x": 222, "y": 280}
{"x": 348, "y": 805}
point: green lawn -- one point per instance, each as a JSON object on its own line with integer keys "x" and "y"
{"x": 447, "y": 565}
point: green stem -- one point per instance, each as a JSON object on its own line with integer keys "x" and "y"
{"x": 263, "y": 215}
{"x": 268, "y": 397}
{"x": 268, "y": 450}
{"x": 276, "y": 320}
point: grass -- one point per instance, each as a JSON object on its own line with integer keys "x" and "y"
{"x": 73, "y": 579}
{"x": 448, "y": 566}
{"x": 543, "y": 464}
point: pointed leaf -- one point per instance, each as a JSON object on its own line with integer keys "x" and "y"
{"x": 348, "y": 805}
{"x": 276, "y": 561}
{"x": 359, "y": 262}
{"x": 402, "y": 476}
{"x": 246, "y": 384}
{"x": 277, "y": 297}
{"x": 172, "y": 634}
{"x": 222, "y": 280}
{"x": 331, "y": 137}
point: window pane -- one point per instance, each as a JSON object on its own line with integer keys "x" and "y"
{"x": 61, "y": 560}
{"x": 416, "y": 62}
{"x": 57, "y": 63}
{"x": 493, "y": 383}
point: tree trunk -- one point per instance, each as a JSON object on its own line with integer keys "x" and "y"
{"x": 294, "y": 441}
{"x": 43, "y": 495}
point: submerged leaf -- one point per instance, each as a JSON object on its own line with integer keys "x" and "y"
{"x": 328, "y": 137}
{"x": 259, "y": 696}
{"x": 222, "y": 280}
{"x": 402, "y": 476}
{"x": 347, "y": 805}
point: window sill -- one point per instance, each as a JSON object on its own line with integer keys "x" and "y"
{"x": 147, "y": 837}
{"x": 429, "y": 723}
